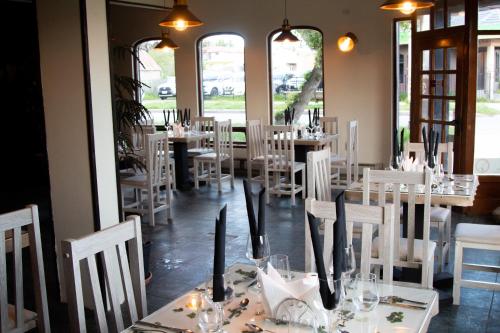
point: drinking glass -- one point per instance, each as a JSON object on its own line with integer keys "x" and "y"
{"x": 281, "y": 264}
{"x": 210, "y": 314}
{"x": 350, "y": 261}
{"x": 228, "y": 286}
{"x": 262, "y": 253}
{"x": 334, "y": 312}
{"x": 398, "y": 160}
{"x": 365, "y": 292}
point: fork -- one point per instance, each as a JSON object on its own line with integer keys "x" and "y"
{"x": 397, "y": 299}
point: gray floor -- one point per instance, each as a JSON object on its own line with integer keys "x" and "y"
{"x": 181, "y": 253}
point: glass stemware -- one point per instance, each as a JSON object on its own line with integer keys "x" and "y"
{"x": 281, "y": 264}
{"x": 258, "y": 250}
{"x": 228, "y": 286}
{"x": 395, "y": 162}
{"x": 350, "y": 262}
{"x": 210, "y": 314}
{"x": 334, "y": 312}
{"x": 365, "y": 292}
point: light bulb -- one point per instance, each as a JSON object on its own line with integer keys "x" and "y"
{"x": 345, "y": 44}
{"x": 180, "y": 25}
{"x": 408, "y": 8}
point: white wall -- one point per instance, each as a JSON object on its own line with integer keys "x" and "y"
{"x": 357, "y": 85}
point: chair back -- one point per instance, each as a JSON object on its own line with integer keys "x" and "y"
{"x": 110, "y": 245}
{"x": 223, "y": 139}
{"x": 330, "y": 125}
{"x": 444, "y": 156}
{"x": 319, "y": 175}
{"x": 352, "y": 152}
{"x": 255, "y": 140}
{"x": 367, "y": 216}
{"x": 387, "y": 184}
{"x": 157, "y": 161}
{"x": 10, "y": 226}
{"x": 138, "y": 136}
{"x": 204, "y": 124}
{"x": 279, "y": 150}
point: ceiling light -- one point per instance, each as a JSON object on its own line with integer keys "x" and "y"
{"x": 347, "y": 42}
{"x": 407, "y": 6}
{"x": 180, "y": 18}
{"x": 286, "y": 34}
{"x": 166, "y": 42}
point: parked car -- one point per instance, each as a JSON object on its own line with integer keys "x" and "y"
{"x": 216, "y": 85}
{"x": 293, "y": 83}
{"x": 167, "y": 89}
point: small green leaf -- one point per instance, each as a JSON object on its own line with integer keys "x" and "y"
{"x": 178, "y": 309}
{"x": 191, "y": 315}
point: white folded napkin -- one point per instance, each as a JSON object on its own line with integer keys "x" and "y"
{"x": 410, "y": 164}
{"x": 276, "y": 290}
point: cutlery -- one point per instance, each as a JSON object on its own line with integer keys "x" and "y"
{"x": 404, "y": 305}
{"x": 256, "y": 328}
{"x": 158, "y": 327}
{"x": 397, "y": 299}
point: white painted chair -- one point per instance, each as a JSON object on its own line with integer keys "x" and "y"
{"x": 319, "y": 175}
{"x": 255, "y": 150}
{"x": 330, "y": 125}
{"x": 14, "y": 318}
{"x": 205, "y": 146}
{"x": 223, "y": 143}
{"x": 440, "y": 216}
{"x": 367, "y": 216}
{"x": 474, "y": 236}
{"x": 157, "y": 161}
{"x": 408, "y": 251}
{"x": 123, "y": 275}
{"x": 279, "y": 158}
{"x": 350, "y": 162}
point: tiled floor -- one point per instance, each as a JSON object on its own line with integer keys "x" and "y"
{"x": 181, "y": 253}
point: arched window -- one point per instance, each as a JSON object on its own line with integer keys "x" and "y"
{"x": 156, "y": 70}
{"x": 296, "y": 74}
{"x": 221, "y": 69}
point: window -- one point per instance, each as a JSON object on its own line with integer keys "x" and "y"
{"x": 222, "y": 75}
{"x": 402, "y": 54}
{"x": 444, "y": 14}
{"x": 156, "y": 70}
{"x": 296, "y": 74}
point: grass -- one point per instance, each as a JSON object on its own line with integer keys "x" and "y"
{"x": 486, "y": 110}
{"x": 484, "y": 107}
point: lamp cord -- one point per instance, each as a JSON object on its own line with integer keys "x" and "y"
{"x": 285, "y": 11}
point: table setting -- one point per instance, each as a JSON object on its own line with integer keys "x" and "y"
{"x": 269, "y": 297}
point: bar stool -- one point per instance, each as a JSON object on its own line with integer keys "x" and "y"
{"x": 474, "y": 236}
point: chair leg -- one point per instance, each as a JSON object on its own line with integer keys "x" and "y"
{"x": 196, "y": 180}
{"x": 303, "y": 177}
{"x": 231, "y": 166}
{"x": 174, "y": 179}
{"x": 249, "y": 170}
{"x": 448, "y": 239}
{"x": 151, "y": 206}
{"x": 209, "y": 175}
{"x": 430, "y": 276}
{"x": 440, "y": 246}
{"x": 266, "y": 183}
{"x": 292, "y": 190}
{"x": 218, "y": 175}
{"x": 457, "y": 272}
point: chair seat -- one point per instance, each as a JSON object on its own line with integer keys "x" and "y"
{"x": 29, "y": 318}
{"x": 403, "y": 249}
{"x": 260, "y": 159}
{"x": 211, "y": 157}
{"x": 139, "y": 180}
{"x": 199, "y": 151}
{"x": 478, "y": 233}
{"x": 336, "y": 159}
{"x": 440, "y": 214}
{"x": 293, "y": 166}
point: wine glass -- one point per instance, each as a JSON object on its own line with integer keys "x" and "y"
{"x": 395, "y": 162}
{"x": 210, "y": 314}
{"x": 365, "y": 293}
{"x": 350, "y": 262}
{"x": 258, "y": 250}
{"x": 281, "y": 264}
{"x": 334, "y": 310}
{"x": 228, "y": 286}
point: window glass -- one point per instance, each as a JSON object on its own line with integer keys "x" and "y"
{"x": 489, "y": 15}
{"x": 156, "y": 70}
{"x": 403, "y": 52}
{"x": 297, "y": 75}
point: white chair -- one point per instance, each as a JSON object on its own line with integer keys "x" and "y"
{"x": 15, "y": 318}
{"x": 205, "y": 146}
{"x": 319, "y": 175}
{"x": 408, "y": 251}
{"x": 279, "y": 157}
{"x": 367, "y": 216}
{"x": 474, "y": 236}
{"x": 330, "y": 125}
{"x": 123, "y": 275}
{"x": 255, "y": 150}
{"x": 156, "y": 177}
{"x": 350, "y": 162}
{"x": 223, "y": 143}
{"x": 440, "y": 216}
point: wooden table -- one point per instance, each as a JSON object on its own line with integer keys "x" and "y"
{"x": 181, "y": 156}
{"x": 413, "y": 321}
{"x": 304, "y": 145}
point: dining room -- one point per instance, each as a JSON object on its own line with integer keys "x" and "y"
{"x": 250, "y": 166}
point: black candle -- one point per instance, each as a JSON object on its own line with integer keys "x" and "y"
{"x": 401, "y": 142}
{"x": 219, "y": 256}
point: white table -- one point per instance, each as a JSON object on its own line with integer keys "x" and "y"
{"x": 413, "y": 321}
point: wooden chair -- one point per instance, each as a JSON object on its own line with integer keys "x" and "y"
{"x": 156, "y": 177}
{"x": 474, "y": 236}
{"x": 330, "y": 125}
{"x": 367, "y": 216}
{"x": 255, "y": 150}
{"x": 15, "y": 318}
{"x": 205, "y": 146}
{"x": 440, "y": 216}
{"x": 350, "y": 162}
{"x": 318, "y": 175}
{"x": 223, "y": 143}
{"x": 123, "y": 275}
{"x": 408, "y": 251}
{"x": 279, "y": 157}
